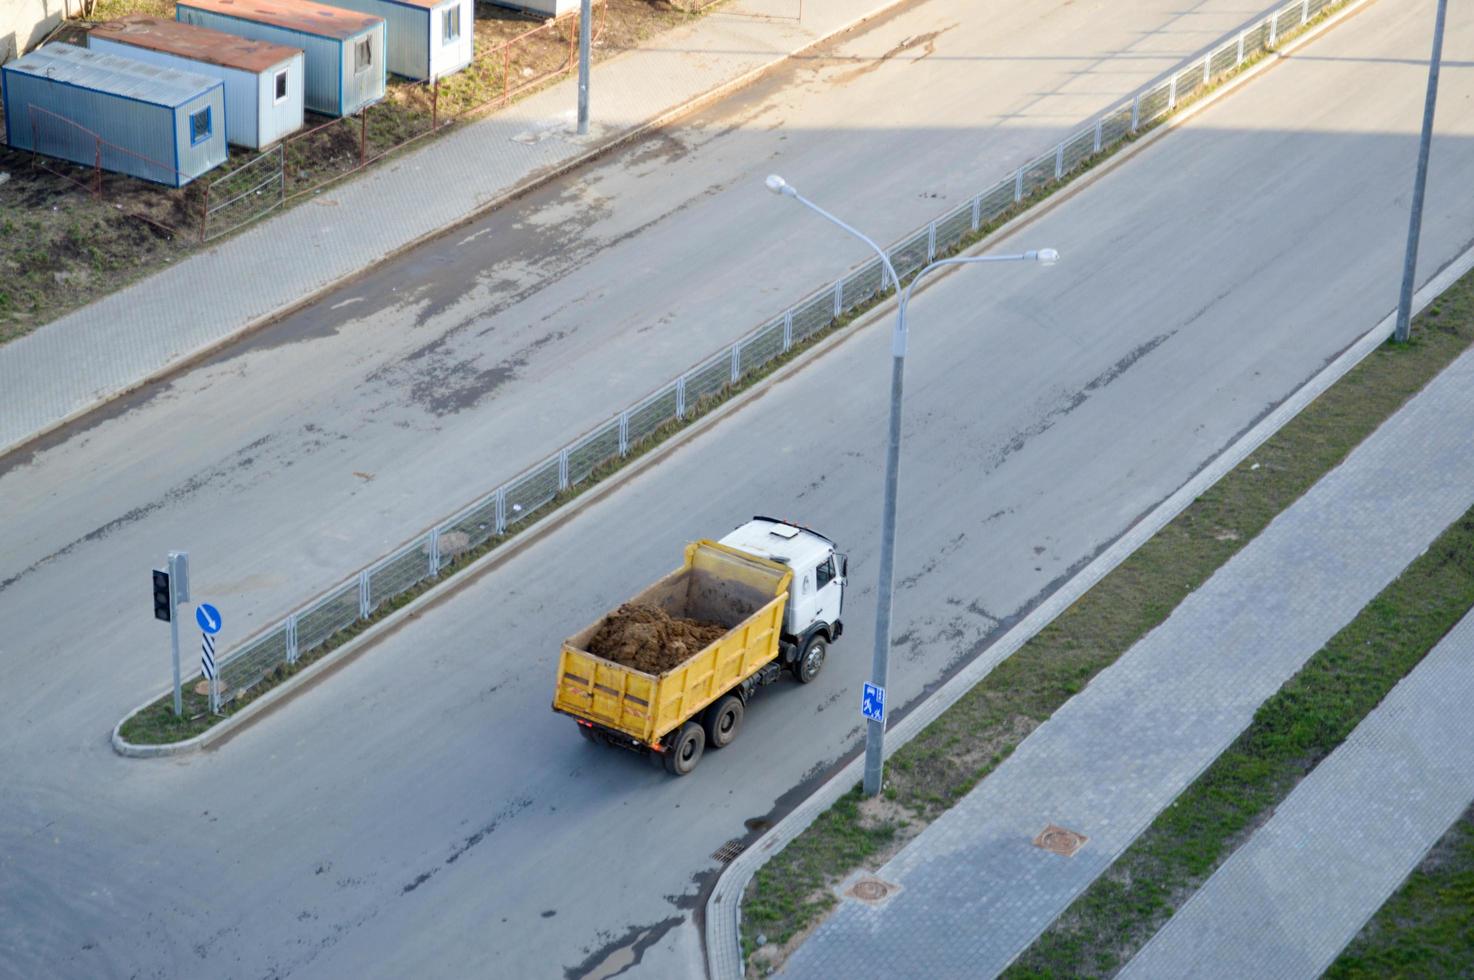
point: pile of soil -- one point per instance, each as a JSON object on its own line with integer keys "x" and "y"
{"x": 649, "y": 639}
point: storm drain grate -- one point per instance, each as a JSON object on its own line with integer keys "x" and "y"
{"x": 730, "y": 850}
{"x": 1058, "y": 840}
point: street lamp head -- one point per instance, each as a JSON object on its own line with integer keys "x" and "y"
{"x": 1046, "y": 256}
{"x": 778, "y": 185}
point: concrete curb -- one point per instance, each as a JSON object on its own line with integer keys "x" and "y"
{"x": 723, "y": 907}
{"x": 533, "y": 181}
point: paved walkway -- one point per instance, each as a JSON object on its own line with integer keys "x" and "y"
{"x": 1290, "y": 899}
{"x": 975, "y": 893}
{"x": 123, "y": 339}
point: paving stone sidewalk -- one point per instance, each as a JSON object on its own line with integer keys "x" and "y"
{"x": 1288, "y": 901}
{"x": 975, "y": 892}
{"x": 79, "y": 360}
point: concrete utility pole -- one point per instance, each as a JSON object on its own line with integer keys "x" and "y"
{"x": 585, "y": 30}
{"x": 1415, "y": 222}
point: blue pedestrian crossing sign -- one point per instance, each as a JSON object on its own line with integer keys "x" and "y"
{"x": 872, "y": 703}
{"x": 208, "y": 617}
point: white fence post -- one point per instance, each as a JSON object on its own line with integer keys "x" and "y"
{"x": 1241, "y": 50}
{"x": 681, "y": 397}
{"x": 1135, "y": 113}
{"x": 1172, "y": 93}
{"x": 624, "y": 434}
{"x": 501, "y": 510}
{"x": 292, "y": 652}
{"x": 1274, "y": 23}
{"x": 1099, "y": 129}
{"x": 363, "y": 594}
{"x": 838, "y": 296}
{"x": 1207, "y": 68}
{"x": 931, "y": 241}
{"x": 1304, "y": 12}
{"x": 788, "y": 320}
{"x": 1018, "y": 186}
{"x": 736, "y": 362}
{"x": 1059, "y": 161}
{"x": 562, "y": 469}
{"x": 977, "y": 211}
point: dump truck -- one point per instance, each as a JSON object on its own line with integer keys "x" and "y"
{"x": 778, "y": 589}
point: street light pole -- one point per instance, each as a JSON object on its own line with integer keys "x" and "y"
{"x": 585, "y": 31}
{"x": 879, "y": 667}
{"x": 1415, "y": 222}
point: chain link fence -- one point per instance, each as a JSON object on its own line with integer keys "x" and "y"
{"x": 498, "y": 513}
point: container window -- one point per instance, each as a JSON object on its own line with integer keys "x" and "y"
{"x": 199, "y": 126}
{"x": 281, "y": 87}
{"x": 365, "y": 55}
{"x": 450, "y": 21}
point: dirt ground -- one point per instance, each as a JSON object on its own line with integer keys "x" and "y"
{"x": 67, "y": 238}
{"x": 647, "y": 639}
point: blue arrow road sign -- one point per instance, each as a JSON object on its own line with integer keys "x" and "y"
{"x": 872, "y": 703}
{"x": 208, "y": 617}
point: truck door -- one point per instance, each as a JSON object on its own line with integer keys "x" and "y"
{"x": 828, "y": 591}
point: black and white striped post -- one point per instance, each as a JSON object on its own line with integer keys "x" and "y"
{"x": 212, "y": 675}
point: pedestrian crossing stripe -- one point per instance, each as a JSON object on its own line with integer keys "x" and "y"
{"x": 207, "y": 655}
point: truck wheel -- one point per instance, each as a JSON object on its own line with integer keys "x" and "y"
{"x": 685, "y": 749}
{"x": 722, "y": 721}
{"x": 811, "y": 660}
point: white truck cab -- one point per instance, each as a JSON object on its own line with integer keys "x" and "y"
{"x": 811, "y": 620}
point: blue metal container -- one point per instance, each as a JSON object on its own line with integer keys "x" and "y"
{"x": 99, "y": 109}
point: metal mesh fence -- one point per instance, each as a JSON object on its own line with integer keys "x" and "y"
{"x": 952, "y": 228}
{"x": 911, "y": 254}
{"x": 398, "y": 572}
{"x": 1077, "y": 149}
{"x": 597, "y": 447}
{"x": 505, "y": 507}
{"x": 532, "y": 491}
{"x": 861, "y": 285}
{"x": 761, "y": 348}
{"x": 812, "y": 316}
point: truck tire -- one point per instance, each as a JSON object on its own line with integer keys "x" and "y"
{"x": 684, "y": 751}
{"x": 811, "y": 659}
{"x": 723, "y": 719}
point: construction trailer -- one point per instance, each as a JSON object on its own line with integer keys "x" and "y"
{"x": 124, "y": 116}
{"x": 263, "y": 81}
{"x": 343, "y": 50}
{"x": 427, "y": 39}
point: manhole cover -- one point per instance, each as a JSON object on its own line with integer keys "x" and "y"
{"x": 1058, "y": 840}
{"x": 729, "y": 850}
{"x": 872, "y": 890}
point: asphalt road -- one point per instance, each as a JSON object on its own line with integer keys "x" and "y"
{"x": 291, "y": 460}
{"x": 423, "y": 811}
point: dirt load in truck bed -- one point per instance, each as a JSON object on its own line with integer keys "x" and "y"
{"x": 648, "y": 639}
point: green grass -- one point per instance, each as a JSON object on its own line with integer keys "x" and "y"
{"x": 950, "y": 756}
{"x": 1426, "y": 929}
{"x": 1290, "y": 734}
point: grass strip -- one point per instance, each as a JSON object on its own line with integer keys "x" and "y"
{"x": 1291, "y": 733}
{"x": 928, "y": 775}
{"x": 1426, "y": 929}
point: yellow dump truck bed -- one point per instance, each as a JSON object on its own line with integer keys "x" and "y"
{"x": 717, "y": 584}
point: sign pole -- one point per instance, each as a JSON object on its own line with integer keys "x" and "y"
{"x": 178, "y": 593}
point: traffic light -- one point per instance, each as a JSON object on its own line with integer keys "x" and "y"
{"x": 163, "y": 608}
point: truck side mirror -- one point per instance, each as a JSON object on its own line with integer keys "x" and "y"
{"x": 844, "y": 566}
